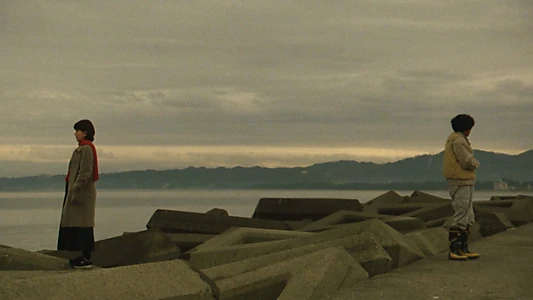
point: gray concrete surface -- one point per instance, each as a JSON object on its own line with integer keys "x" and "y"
{"x": 296, "y": 209}
{"x": 430, "y": 241}
{"x": 15, "y": 259}
{"x": 432, "y": 212}
{"x": 364, "y": 248}
{"x": 243, "y": 236}
{"x": 399, "y": 249}
{"x": 418, "y": 196}
{"x": 174, "y": 221}
{"x": 309, "y": 277}
{"x": 388, "y": 198}
{"x": 129, "y": 249}
{"x": 400, "y": 223}
{"x": 188, "y": 241}
{"x": 504, "y": 271}
{"x": 162, "y": 280}
{"x": 491, "y": 223}
{"x": 518, "y": 210}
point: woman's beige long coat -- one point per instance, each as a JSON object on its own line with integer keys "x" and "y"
{"x": 80, "y": 202}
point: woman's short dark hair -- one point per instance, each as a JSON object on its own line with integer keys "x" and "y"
{"x": 87, "y": 127}
{"x": 462, "y": 123}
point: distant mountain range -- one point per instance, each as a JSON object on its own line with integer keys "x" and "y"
{"x": 419, "y": 172}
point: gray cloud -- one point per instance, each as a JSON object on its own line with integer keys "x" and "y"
{"x": 310, "y": 73}
{"x": 513, "y": 87}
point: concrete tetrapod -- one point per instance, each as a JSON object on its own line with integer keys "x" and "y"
{"x": 309, "y": 277}
{"x": 364, "y": 248}
{"x": 296, "y": 209}
{"x": 492, "y": 222}
{"x": 400, "y": 223}
{"x": 399, "y": 249}
{"x": 187, "y": 241}
{"x": 422, "y": 197}
{"x": 519, "y": 210}
{"x": 20, "y": 259}
{"x": 162, "y": 280}
{"x": 129, "y": 249}
{"x": 248, "y": 236}
{"x": 389, "y": 198}
{"x": 173, "y": 221}
{"x": 432, "y": 212}
{"x": 431, "y": 241}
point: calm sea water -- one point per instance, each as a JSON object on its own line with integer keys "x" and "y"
{"x": 30, "y": 220}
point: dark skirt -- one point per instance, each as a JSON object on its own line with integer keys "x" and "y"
{"x": 75, "y": 238}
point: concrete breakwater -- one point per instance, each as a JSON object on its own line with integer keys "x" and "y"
{"x": 292, "y": 248}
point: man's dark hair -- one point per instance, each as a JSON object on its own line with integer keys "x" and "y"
{"x": 87, "y": 127}
{"x": 462, "y": 123}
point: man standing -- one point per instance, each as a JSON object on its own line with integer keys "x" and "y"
{"x": 459, "y": 169}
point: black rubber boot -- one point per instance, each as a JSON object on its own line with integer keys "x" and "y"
{"x": 463, "y": 250}
{"x": 454, "y": 238}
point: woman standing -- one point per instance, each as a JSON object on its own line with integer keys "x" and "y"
{"x": 76, "y": 232}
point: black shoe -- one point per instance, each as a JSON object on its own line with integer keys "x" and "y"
{"x": 81, "y": 263}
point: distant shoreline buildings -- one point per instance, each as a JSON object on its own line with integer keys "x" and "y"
{"x": 503, "y": 185}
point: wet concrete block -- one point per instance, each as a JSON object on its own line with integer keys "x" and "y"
{"x": 8, "y": 277}
{"x": 295, "y": 225}
{"x": 438, "y": 236}
{"x": 15, "y": 274}
{"x": 312, "y": 276}
{"x": 475, "y": 232}
{"x": 437, "y": 223}
{"x": 433, "y": 212}
{"x": 425, "y": 211}
{"x": 400, "y": 250}
{"x": 243, "y": 236}
{"x": 19, "y": 259}
{"x": 173, "y": 221}
{"x": 217, "y": 212}
{"x": 510, "y": 197}
{"x": 422, "y": 243}
{"x": 422, "y": 197}
{"x": 386, "y": 199}
{"x": 140, "y": 247}
{"x": 431, "y": 241}
{"x": 400, "y": 223}
{"x": 162, "y": 280}
{"x": 187, "y": 241}
{"x": 518, "y": 210}
{"x": 364, "y": 248}
{"x": 491, "y": 223}
{"x": 129, "y": 249}
{"x": 297, "y": 209}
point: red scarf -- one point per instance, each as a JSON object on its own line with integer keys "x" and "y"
{"x": 95, "y": 168}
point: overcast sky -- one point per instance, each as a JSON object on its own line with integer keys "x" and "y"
{"x": 171, "y": 84}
